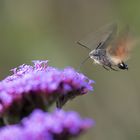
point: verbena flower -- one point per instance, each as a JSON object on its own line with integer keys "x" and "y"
{"x": 58, "y": 125}
{"x": 39, "y": 86}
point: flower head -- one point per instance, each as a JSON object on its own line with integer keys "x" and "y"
{"x": 39, "y": 86}
{"x": 58, "y": 125}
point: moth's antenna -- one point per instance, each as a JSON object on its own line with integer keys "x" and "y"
{"x": 83, "y": 46}
{"x": 83, "y": 62}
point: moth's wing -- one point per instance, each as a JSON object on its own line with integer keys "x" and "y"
{"x": 103, "y": 37}
{"x": 120, "y": 49}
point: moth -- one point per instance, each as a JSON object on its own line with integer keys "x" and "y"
{"x": 108, "y": 47}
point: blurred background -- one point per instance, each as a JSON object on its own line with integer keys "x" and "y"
{"x": 49, "y": 29}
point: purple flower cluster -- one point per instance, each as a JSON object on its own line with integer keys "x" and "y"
{"x": 39, "y": 86}
{"x": 39, "y": 125}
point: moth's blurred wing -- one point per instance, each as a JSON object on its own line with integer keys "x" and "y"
{"x": 120, "y": 49}
{"x": 103, "y": 36}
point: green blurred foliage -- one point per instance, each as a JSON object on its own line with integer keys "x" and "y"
{"x": 49, "y": 29}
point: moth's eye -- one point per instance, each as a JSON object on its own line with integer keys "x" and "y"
{"x": 126, "y": 66}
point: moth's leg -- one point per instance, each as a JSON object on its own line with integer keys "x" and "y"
{"x": 105, "y": 67}
{"x": 113, "y": 68}
{"x": 110, "y": 66}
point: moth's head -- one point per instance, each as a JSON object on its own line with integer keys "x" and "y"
{"x": 123, "y": 66}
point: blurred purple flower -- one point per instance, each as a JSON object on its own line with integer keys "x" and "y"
{"x": 39, "y": 86}
{"x": 58, "y": 125}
